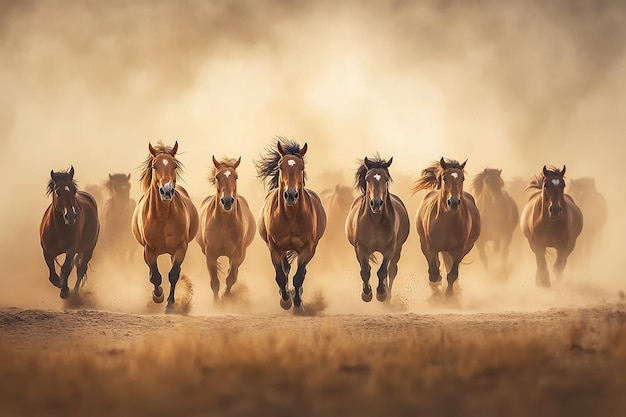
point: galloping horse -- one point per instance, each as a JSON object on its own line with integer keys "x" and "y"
{"x": 498, "y": 212}
{"x": 117, "y": 239}
{"x": 292, "y": 218}
{"x": 447, "y": 220}
{"x": 377, "y": 222}
{"x": 165, "y": 220}
{"x": 70, "y": 226}
{"x": 550, "y": 219}
{"x": 593, "y": 206}
{"x": 227, "y": 224}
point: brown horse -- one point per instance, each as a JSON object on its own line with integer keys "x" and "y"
{"x": 498, "y": 212}
{"x": 165, "y": 220}
{"x": 593, "y": 206}
{"x": 70, "y": 226}
{"x": 550, "y": 219}
{"x": 292, "y": 218}
{"x": 377, "y": 222}
{"x": 447, "y": 220}
{"x": 117, "y": 239}
{"x": 227, "y": 224}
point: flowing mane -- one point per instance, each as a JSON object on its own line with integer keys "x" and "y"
{"x": 431, "y": 176}
{"x": 537, "y": 182}
{"x": 359, "y": 176}
{"x": 146, "y": 168}
{"x": 224, "y": 162}
{"x": 58, "y": 177}
{"x": 267, "y": 166}
{"x": 478, "y": 183}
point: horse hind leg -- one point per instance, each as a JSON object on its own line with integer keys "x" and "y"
{"x": 53, "y": 277}
{"x": 81, "y": 270}
{"x": 155, "y": 276}
{"x": 365, "y": 271}
{"x": 213, "y": 269}
{"x": 298, "y": 280}
{"x": 542, "y": 277}
{"x": 480, "y": 245}
{"x": 392, "y": 273}
{"x": 382, "y": 289}
{"x": 173, "y": 278}
{"x": 233, "y": 272}
{"x": 281, "y": 278}
{"x": 453, "y": 275}
{"x": 561, "y": 261}
{"x": 65, "y": 273}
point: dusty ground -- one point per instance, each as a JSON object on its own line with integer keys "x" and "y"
{"x": 87, "y": 362}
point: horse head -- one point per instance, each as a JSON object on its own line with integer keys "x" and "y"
{"x": 118, "y": 186}
{"x": 553, "y": 191}
{"x": 225, "y": 179}
{"x": 164, "y": 168}
{"x": 291, "y": 168}
{"x": 377, "y": 179}
{"x": 452, "y": 177}
{"x": 63, "y": 190}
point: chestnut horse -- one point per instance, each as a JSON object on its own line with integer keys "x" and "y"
{"x": 550, "y": 219}
{"x": 70, "y": 226}
{"x": 165, "y": 220}
{"x": 498, "y": 212}
{"x": 116, "y": 239}
{"x": 292, "y": 219}
{"x": 227, "y": 224}
{"x": 377, "y": 222}
{"x": 447, "y": 220}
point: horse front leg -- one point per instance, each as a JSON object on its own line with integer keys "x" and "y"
{"x": 453, "y": 275}
{"x": 53, "y": 277}
{"x": 174, "y": 275}
{"x": 393, "y": 270}
{"x": 66, "y": 268}
{"x": 150, "y": 257}
{"x": 81, "y": 269}
{"x": 542, "y": 277}
{"x": 211, "y": 264}
{"x": 432, "y": 257}
{"x": 381, "y": 290}
{"x": 561, "y": 260}
{"x": 281, "y": 277}
{"x": 304, "y": 257}
{"x": 235, "y": 262}
{"x": 482, "y": 252}
{"x": 364, "y": 262}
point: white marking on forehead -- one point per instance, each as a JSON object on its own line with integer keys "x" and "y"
{"x": 67, "y": 188}
{"x": 454, "y": 175}
{"x": 377, "y": 177}
{"x": 227, "y": 174}
{"x": 165, "y": 162}
{"x": 556, "y": 182}
{"x": 291, "y": 162}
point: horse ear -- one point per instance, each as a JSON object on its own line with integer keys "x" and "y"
{"x": 110, "y": 176}
{"x": 563, "y": 171}
{"x": 367, "y": 163}
{"x": 215, "y": 163}
{"x": 500, "y": 171}
{"x": 389, "y": 162}
{"x": 71, "y": 171}
{"x": 304, "y": 149}
{"x": 281, "y": 150}
{"x": 463, "y": 165}
{"x": 236, "y": 164}
{"x": 128, "y": 176}
{"x": 175, "y": 148}
{"x": 52, "y": 173}
{"x": 545, "y": 171}
{"x": 442, "y": 163}
{"x": 153, "y": 151}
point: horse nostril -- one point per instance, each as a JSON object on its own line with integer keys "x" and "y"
{"x": 295, "y": 195}
{"x": 372, "y": 203}
{"x": 286, "y": 195}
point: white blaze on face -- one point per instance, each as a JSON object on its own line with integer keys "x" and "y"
{"x": 556, "y": 182}
{"x": 67, "y": 188}
{"x": 227, "y": 174}
{"x": 377, "y": 177}
{"x": 454, "y": 175}
{"x": 165, "y": 162}
{"x": 291, "y": 162}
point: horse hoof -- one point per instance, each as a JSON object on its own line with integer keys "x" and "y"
{"x": 298, "y": 310}
{"x": 285, "y": 304}
{"x": 169, "y": 309}
{"x": 366, "y": 297}
{"x": 158, "y": 298}
{"x": 381, "y": 297}
{"x": 65, "y": 293}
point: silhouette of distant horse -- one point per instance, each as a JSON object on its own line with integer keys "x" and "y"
{"x": 116, "y": 239}
{"x": 593, "y": 206}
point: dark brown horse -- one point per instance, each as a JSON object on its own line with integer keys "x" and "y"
{"x": 498, "y": 212}
{"x": 593, "y": 206}
{"x": 292, "y": 219}
{"x": 447, "y": 220}
{"x": 117, "y": 240}
{"x": 550, "y": 219}
{"x": 227, "y": 225}
{"x": 165, "y": 220}
{"x": 377, "y": 222}
{"x": 70, "y": 226}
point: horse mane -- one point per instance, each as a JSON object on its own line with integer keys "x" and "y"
{"x": 359, "y": 176}
{"x": 224, "y": 162}
{"x": 145, "y": 179}
{"x": 108, "y": 185}
{"x": 431, "y": 176}
{"x": 537, "y": 182}
{"x": 478, "y": 183}
{"x": 267, "y": 166}
{"x": 60, "y": 176}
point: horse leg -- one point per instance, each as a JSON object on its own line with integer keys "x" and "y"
{"x": 65, "y": 274}
{"x": 211, "y": 264}
{"x": 364, "y": 262}
{"x": 155, "y": 276}
{"x": 281, "y": 277}
{"x": 480, "y": 245}
{"x": 304, "y": 257}
{"x": 381, "y": 290}
{"x": 235, "y": 262}
{"x": 53, "y": 277}
{"x": 393, "y": 271}
{"x": 81, "y": 269}
{"x": 432, "y": 257}
{"x": 177, "y": 260}
{"x": 542, "y": 278}
{"x": 561, "y": 261}
{"x": 453, "y": 274}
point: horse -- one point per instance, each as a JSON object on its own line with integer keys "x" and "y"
{"x": 117, "y": 238}
{"x": 377, "y": 222}
{"x": 292, "y": 219}
{"x": 498, "y": 211}
{"x": 550, "y": 219}
{"x": 334, "y": 248}
{"x": 165, "y": 220}
{"x": 593, "y": 206}
{"x": 227, "y": 225}
{"x": 447, "y": 219}
{"x": 69, "y": 225}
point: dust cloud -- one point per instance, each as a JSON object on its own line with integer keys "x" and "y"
{"x": 511, "y": 85}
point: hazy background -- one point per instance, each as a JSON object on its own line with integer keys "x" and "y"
{"x": 511, "y": 85}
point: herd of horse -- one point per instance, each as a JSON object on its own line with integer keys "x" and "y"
{"x": 450, "y": 221}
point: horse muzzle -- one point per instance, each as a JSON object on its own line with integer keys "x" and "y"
{"x": 227, "y": 202}
{"x": 554, "y": 211}
{"x": 291, "y": 196}
{"x": 453, "y": 203}
{"x": 166, "y": 192}
{"x": 376, "y": 205}
{"x": 69, "y": 217}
